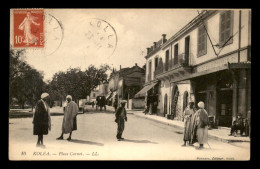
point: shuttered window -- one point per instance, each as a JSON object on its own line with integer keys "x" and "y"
{"x": 156, "y": 62}
{"x": 202, "y": 41}
{"x": 226, "y": 27}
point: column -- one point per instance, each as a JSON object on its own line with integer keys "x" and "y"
{"x": 235, "y": 95}
{"x": 242, "y": 99}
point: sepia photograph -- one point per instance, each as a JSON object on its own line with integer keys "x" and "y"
{"x": 129, "y": 84}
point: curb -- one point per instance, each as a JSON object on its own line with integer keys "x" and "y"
{"x": 209, "y": 135}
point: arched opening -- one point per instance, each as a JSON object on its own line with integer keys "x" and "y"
{"x": 175, "y": 95}
{"x": 165, "y": 104}
{"x": 185, "y": 100}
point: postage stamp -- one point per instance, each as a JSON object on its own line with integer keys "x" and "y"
{"x": 28, "y": 28}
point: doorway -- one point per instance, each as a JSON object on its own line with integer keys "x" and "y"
{"x": 165, "y": 105}
{"x": 202, "y": 97}
{"x": 175, "y": 95}
{"x": 225, "y": 108}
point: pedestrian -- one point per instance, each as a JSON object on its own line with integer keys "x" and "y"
{"x": 69, "y": 123}
{"x": 238, "y": 124}
{"x": 42, "y": 119}
{"x": 201, "y": 121}
{"x": 121, "y": 117}
{"x": 93, "y": 104}
{"x": 115, "y": 104}
{"x": 188, "y": 123}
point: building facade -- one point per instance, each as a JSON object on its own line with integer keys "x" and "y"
{"x": 125, "y": 83}
{"x": 208, "y": 60}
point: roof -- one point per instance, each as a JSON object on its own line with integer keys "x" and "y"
{"x": 204, "y": 14}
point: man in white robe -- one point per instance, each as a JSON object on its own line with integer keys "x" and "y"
{"x": 69, "y": 120}
{"x": 201, "y": 125}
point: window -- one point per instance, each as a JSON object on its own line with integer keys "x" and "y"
{"x": 202, "y": 40}
{"x": 156, "y": 60}
{"x": 176, "y": 54}
{"x": 150, "y": 70}
{"x": 94, "y": 94}
{"x": 167, "y": 60}
{"x": 226, "y": 28}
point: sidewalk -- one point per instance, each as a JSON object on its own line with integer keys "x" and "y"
{"x": 220, "y": 134}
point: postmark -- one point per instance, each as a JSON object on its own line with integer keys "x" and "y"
{"x": 28, "y": 29}
{"x": 54, "y": 34}
{"x": 100, "y": 38}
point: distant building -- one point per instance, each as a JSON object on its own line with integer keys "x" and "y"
{"x": 93, "y": 94}
{"x": 125, "y": 83}
{"x": 103, "y": 88}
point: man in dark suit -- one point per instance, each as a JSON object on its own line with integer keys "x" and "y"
{"x": 238, "y": 124}
{"x": 42, "y": 119}
{"x": 121, "y": 117}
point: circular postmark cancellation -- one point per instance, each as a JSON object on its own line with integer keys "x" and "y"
{"x": 41, "y": 34}
{"x": 54, "y": 34}
{"x": 100, "y": 38}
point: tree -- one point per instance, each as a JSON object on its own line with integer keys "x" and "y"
{"x": 76, "y": 83}
{"x": 26, "y": 83}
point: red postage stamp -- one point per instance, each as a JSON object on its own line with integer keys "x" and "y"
{"x": 28, "y": 28}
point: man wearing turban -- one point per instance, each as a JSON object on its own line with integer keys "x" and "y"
{"x": 200, "y": 130}
{"x": 41, "y": 119}
{"x": 69, "y": 120}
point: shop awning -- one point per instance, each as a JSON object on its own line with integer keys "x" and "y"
{"x": 114, "y": 94}
{"x": 109, "y": 95}
{"x": 142, "y": 92}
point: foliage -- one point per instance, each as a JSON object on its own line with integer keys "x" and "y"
{"x": 76, "y": 83}
{"x": 26, "y": 83}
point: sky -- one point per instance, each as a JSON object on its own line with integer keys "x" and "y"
{"x": 68, "y": 35}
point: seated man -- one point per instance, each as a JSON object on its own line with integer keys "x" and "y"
{"x": 238, "y": 125}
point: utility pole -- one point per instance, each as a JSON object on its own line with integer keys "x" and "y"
{"x": 208, "y": 36}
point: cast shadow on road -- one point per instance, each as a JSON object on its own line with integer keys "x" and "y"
{"x": 140, "y": 141}
{"x": 86, "y": 142}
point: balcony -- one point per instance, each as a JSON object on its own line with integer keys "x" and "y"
{"x": 181, "y": 66}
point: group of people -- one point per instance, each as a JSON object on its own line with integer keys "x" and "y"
{"x": 195, "y": 130}
{"x": 42, "y": 119}
{"x": 195, "y": 125}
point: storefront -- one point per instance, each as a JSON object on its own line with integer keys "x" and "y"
{"x": 225, "y": 94}
{"x": 150, "y": 93}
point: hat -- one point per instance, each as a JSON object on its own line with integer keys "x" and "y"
{"x": 69, "y": 96}
{"x": 123, "y": 101}
{"x": 44, "y": 95}
{"x": 201, "y": 105}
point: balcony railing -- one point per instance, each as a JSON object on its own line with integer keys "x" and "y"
{"x": 183, "y": 61}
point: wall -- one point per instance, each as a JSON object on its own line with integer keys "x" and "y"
{"x": 152, "y": 59}
{"x": 136, "y": 104}
{"x": 213, "y": 27}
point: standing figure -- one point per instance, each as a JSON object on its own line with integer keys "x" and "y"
{"x": 120, "y": 120}
{"x": 69, "y": 120}
{"x": 201, "y": 121}
{"x": 98, "y": 102}
{"x": 188, "y": 123}
{"x": 29, "y": 38}
{"x": 93, "y": 104}
{"x": 115, "y": 104}
{"x": 41, "y": 119}
{"x": 238, "y": 124}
